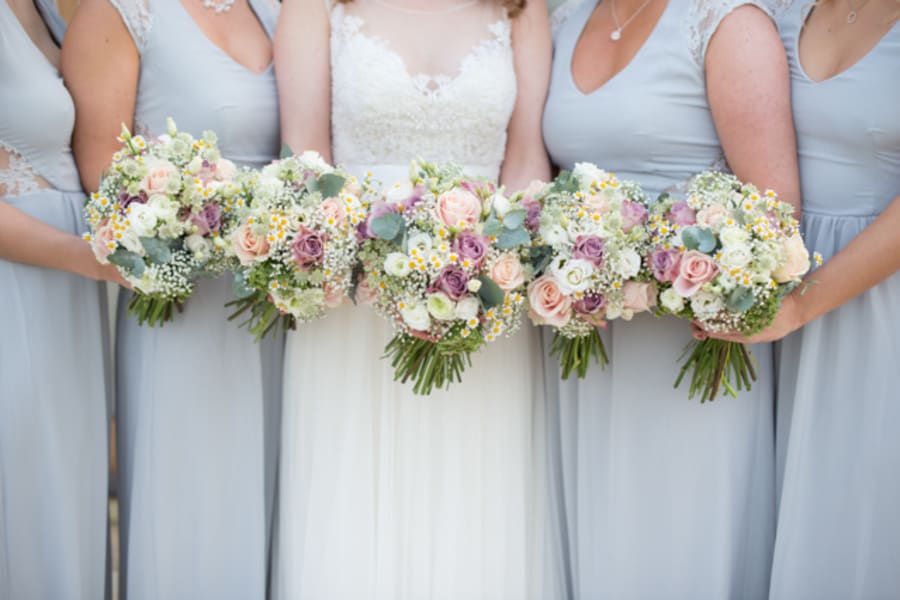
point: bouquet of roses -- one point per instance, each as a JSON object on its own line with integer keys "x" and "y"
{"x": 295, "y": 242}
{"x": 724, "y": 258}
{"x": 158, "y": 216}
{"x": 446, "y": 260}
{"x": 593, "y": 233}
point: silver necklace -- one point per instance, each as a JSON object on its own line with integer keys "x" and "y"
{"x": 854, "y": 10}
{"x": 616, "y": 34}
{"x": 220, "y": 6}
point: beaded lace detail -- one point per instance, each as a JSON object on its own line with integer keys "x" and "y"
{"x": 383, "y": 114}
{"x": 705, "y": 16}
{"x": 18, "y": 177}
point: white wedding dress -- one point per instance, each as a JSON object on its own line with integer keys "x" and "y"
{"x": 386, "y": 495}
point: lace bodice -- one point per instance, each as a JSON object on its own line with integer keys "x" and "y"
{"x": 38, "y": 117}
{"x": 386, "y": 111}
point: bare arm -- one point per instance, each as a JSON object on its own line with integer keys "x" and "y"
{"x": 100, "y": 65}
{"x": 526, "y": 158}
{"x": 748, "y": 84}
{"x": 46, "y": 246}
{"x": 303, "y": 70}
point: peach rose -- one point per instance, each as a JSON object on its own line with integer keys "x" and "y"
{"x": 638, "y": 297}
{"x": 696, "y": 269}
{"x": 334, "y": 297}
{"x": 247, "y": 247}
{"x": 225, "y": 170}
{"x": 596, "y": 203}
{"x": 364, "y": 292}
{"x": 508, "y": 273}
{"x": 712, "y": 216}
{"x": 458, "y": 208}
{"x": 548, "y": 305}
{"x": 796, "y": 261}
{"x": 331, "y": 207}
{"x": 159, "y": 172}
{"x": 102, "y": 239}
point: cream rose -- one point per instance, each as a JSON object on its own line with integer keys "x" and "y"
{"x": 159, "y": 172}
{"x": 671, "y": 301}
{"x": 103, "y": 241}
{"x": 796, "y": 261}
{"x": 248, "y": 247}
{"x": 695, "y": 269}
{"x": 416, "y": 317}
{"x": 548, "y": 305}
{"x": 712, "y": 216}
{"x": 458, "y": 208}
{"x": 637, "y": 297}
{"x": 508, "y": 272}
{"x": 572, "y": 275}
{"x": 467, "y": 308}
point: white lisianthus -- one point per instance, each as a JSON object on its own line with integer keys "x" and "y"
{"x": 473, "y": 285}
{"x": 399, "y": 192}
{"x": 142, "y": 219}
{"x": 163, "y": 207}
{"x": 500, "y": 204}
{"x": 671, "y": 301}
{"x": 587, "y": 173}
{"x": 467, "y": 308}
{"x": 733, "y": 235}
{"x": 572, "y": 275}
{"x": 421, "y": 242}
{"x": 198, "y": 246}
{"x": 441, "y": 307}
{"x": 555, "y": 235}
{"x": 706, "y": 304}
{"x": 628, "y": 263}
{"x": 397, "y": 264}
{"x": 736, "y": 256}
{"x": 416, "y": 317}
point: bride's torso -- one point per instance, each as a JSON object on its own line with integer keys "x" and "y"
{"x": 437, "y": 85}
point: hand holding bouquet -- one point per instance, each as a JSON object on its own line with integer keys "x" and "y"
{"x": 724, "y": 258}
{"x": 159, "y": 217}
{"x": 295, "y": 242}
{"x": 593, "y": 235}
{"x": 447, "y": 261}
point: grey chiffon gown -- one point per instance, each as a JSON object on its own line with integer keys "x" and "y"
{"x": 198, "y": 400}
{"x": 53, "y": 402}
{"x": 838, "y": 433}
{"x": 657, "y": 496}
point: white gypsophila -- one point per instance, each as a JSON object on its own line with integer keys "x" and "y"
{"x": 440, "y": 306}
{"x": 573, "y": 275}
{"x": 396, "y": 264}
{"x": 671, "y": 300}
{"x": 416, "y": 316}
{"x": 733, "y": 235}
{"x": 198, "y": 246}
{"x": 588, "y": 173}
{"x": 627, "y": 263}
{"x": 467, "y": 308}
{"x": 706, "y": 304}
{"x": 735, "y": 256}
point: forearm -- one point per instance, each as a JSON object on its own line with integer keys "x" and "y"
{"x": 27, "y": 240}
{"x": 523, "y": 167}
{"x": 872, "y": 257}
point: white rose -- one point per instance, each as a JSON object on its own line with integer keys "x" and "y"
{"x": 613, "y": 311}
{"x": 572, "y": 275}
{"x": 397, "y": 264}
{"x": 422, "y": 242}
{"x": 163, "y": 207}
{"x": 500, "y": 204}
{"x": 142, "y": 219}
{"x": 467, "y": 308}
{"x": 671, "y": 301}
{"x": 555, "y": 235}
{"x": 628, "y": 263}
{"x": 706, "y": 304}
{"x": 198, "y": 246}
{"x": 313, "y": 161}
{"x": 735, "y": 256}
{"x": 399, "y": 192}
{"x": 733, "y": 236}
{"x": 416, "y": 317}
{"x": 587, "y": 173}
{"x": 441, "y": 307}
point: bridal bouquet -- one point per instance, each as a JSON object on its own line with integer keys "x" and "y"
{"x": 159, "y": 217}
{"x": 724, "y": 258}
{"x": 593, "y": 232}
{"x": 446, "y": 261}
{"x": 295, "y": 242}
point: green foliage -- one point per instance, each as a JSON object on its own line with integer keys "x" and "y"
{"x": 389, "y": 227}
{"x": 129, "y": 261}
{"x": 157, "y": 250}
{"x": 330, "y": 184}
{"x": 575, "y": 353}
{"x": 490, "y": 293}
{"x": 700, "y": 239}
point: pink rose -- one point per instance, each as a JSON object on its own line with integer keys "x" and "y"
{"x": 535, "y": 189}
{"x": 458, "y": 208}
{"x": 638, "y": 296}
{"x": 334, "y": 297}
{"x": 159, "y": 172}
{"x": 682, "y": 214}
{"x": 695, "y": 269}
{"x": 101, "y": 240}
{"x": 247, "y": 247}
{"x": 225, "y": 170}
{"x": 633, "y": 214}
{"x": 712, "y": 216}
{"x": 596, "y": 203}
{"x": 332, "y": 209}
{"x": 796, "y": 261}
{"x": 508, "y": 273}
{"x": 548, "y": 305}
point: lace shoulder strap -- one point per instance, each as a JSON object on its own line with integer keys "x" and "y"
{"x": 137, "y": 18}
{"x": 561, "y": 13}
{"x": 705, "y": 16}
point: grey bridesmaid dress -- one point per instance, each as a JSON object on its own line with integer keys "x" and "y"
{"x": 657, "y": 496}
{"x": 198, "y": 400}
{"x": 838, "y": 438}
{"x": 53, "y": 402}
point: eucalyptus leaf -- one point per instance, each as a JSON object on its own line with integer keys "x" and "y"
{"x": 699, "y": 238}
{"x": 492, "y": 226}
{"x": 286, "y": 152}
{"x": 157, "y": 250}
{"x": 129, "y": 261}
{"x": 511, "y": 238}
{"x": 388, "y": 227}
{"x": 490, "y": 293}
{"x": 741, "y": 299}
{"x": 330, "y": 184}
{"x": 540, "y": 257}
{"x": 565, "y": 182}
{"x": 514, "y": 218}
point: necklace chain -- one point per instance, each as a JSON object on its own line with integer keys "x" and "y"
{"x": 854, "y": 11}
{"x": 616, "y": 34}
{"x": 219, "y": 6}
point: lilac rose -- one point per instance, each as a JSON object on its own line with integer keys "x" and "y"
{"x": 589, "y": 248}
{"x": 665, "y": 264}
{"x": 682, "y": 214}
{"x": 378, "y": 210}
{"x": 126, "y": 199}
{"x": 471, "y": 246}
{"x": 590, "y": 304}
{"x": 308, "y": 248}
{"x": 209, "y": 218}
{"x": 532, "y": 214}
{"x": 633, "y": 213}
{"x": 452, "y": 281}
